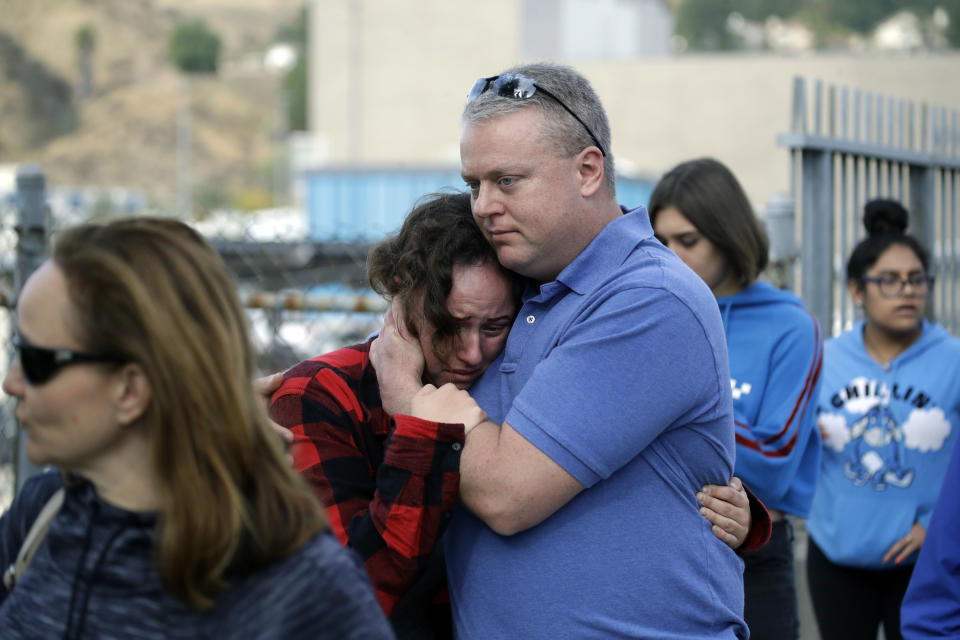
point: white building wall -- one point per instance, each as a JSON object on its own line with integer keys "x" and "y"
{"x": 389, "y": 79}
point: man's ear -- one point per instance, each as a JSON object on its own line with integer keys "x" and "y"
{"x": 133, "y": 393}
{"x": 590, "y": 167}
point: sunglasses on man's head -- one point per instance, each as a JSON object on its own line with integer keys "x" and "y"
{"x": 521, "y": 87}
{"x": 40, "y": 364}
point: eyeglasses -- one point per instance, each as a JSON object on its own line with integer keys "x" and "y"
{"x": 521, "y": 87}
{"x": 892, "y": 286}
{"x": 40, "y": 364}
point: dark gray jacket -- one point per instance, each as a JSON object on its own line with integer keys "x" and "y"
{"x": 94, "y": 577}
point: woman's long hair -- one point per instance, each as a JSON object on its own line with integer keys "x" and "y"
{"x": 151, "y": 291}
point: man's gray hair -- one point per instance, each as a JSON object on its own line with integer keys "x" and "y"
{"x": 569, "y": 136}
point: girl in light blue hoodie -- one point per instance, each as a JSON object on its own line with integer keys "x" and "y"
{"x": 699, "y": 210}
{"x": 889, "y": 410}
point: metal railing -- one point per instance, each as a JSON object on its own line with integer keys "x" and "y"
{"x": 859, "y": 146}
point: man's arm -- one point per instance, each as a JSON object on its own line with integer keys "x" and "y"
{"x": 511, "y": 485}
{"x": 508, "y": 483}
{"x": 504, "y": 480}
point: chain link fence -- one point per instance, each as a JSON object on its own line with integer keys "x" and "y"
{"x": 8, "y": 429}
{"x": 302, "y": 298}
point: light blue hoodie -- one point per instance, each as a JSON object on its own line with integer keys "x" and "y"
{"x": 891, "y": 431}
{"x": 776, "y": 350}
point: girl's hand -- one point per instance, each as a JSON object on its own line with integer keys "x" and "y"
{"x": 907, "y": 544}
{"x": 728, "y": 509}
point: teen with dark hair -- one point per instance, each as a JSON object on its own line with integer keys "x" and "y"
{"x": 699, "y": 211}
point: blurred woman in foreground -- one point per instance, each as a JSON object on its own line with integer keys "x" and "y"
{"x": 180, "y": 514}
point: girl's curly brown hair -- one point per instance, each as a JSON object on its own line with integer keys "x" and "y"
{"x": 417, "y": 263}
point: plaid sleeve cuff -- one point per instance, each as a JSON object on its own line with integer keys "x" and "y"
{"x": 761, "y": 525}
{"x": 413, "y": 443}
{"x": 411, "y": 427}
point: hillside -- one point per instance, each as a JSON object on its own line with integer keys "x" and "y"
{"x": 124, "y": 133}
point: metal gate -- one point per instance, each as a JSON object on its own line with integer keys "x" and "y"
{"x": 861, "y": 146}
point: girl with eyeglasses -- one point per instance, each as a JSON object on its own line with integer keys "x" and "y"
{"x": 180, "y": 516}
{"x": 889, "y": 411}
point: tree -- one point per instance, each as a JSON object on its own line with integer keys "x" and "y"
{"x": 952, "y": 7}
{"x": 85, "y": 40}
{"x": 295, "y": 83}
{"x": 294, "y": 32}
{"x": 194, "y": 48}
{"x": 704, "y": 24}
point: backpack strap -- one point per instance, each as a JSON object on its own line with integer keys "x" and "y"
{"x": 33, "y": 540}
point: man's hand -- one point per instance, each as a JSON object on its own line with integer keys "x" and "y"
{"x": 907, "y": 544}
{"x": 447, "y": 404}
{"x": 398, "y": 361}
{"x": 728, "y": 509}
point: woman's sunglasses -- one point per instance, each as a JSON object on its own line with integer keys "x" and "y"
{"x": 40, "y": 364}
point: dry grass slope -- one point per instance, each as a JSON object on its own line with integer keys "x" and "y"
{"x": 125, "y": 133}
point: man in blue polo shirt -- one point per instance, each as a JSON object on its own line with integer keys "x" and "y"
{"x": 608, "y": 409}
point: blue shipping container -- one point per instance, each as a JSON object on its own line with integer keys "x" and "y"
{"x": 366, "y": 204}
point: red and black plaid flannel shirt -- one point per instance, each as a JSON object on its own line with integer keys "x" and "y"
{"x": 389, "y": 485}
{"x": 761, "y": 525}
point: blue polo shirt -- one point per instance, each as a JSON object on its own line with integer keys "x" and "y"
{"x": 618, "y": 372}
